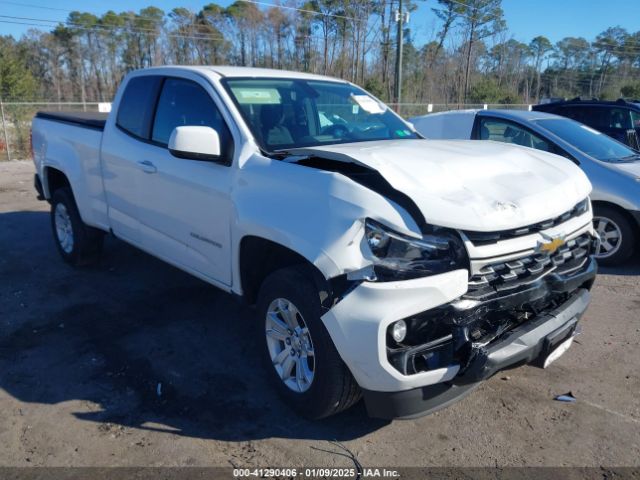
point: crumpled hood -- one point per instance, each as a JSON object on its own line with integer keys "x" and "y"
{"x": 470, "y": 185}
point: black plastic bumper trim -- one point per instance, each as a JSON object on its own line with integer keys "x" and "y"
{"x": 416, "y": 402}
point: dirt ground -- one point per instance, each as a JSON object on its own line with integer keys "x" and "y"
{"x": 134, "y": 363}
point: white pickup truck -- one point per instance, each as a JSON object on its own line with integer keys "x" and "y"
{"x": 383, "y": 265}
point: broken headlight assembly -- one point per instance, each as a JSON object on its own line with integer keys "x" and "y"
{"x": 400, "y": 257}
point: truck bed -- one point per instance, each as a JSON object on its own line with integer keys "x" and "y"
{"x": 93, "y": 120}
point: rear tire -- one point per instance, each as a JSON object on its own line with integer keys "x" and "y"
{"x": 617, "y": 235}
{"x": 318, "y": 384}
{"x": 77, "y": 243}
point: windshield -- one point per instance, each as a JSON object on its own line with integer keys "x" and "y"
{"x": 290, "y": 113}
{"x": 588, "y": 140}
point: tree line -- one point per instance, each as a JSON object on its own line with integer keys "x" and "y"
{"x": 470, "y": 56}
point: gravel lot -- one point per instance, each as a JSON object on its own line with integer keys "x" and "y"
{"x": 82, "y": 353}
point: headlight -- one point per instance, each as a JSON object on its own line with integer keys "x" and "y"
{"x": 399, "y": 257}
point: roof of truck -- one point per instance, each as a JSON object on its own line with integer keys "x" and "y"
{"x": 237, "y": 72}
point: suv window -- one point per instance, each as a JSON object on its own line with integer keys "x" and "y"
{"x": 135, "y": 111}
{"x": 599, "y": 117}
{"x": 619, "y": 118}
{"x": 508, "y": 132}
{"x": 183, "y": 102}
{"x": 582, "y": 114}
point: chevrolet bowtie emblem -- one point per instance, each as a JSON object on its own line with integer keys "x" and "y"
{"x": 551, "y": 245}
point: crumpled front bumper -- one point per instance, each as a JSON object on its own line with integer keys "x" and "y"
{"x": 529, "y": 343}
{"x": 358, "y": 326}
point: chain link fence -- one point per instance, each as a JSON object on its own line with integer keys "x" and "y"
{"x": 16, "y": 119}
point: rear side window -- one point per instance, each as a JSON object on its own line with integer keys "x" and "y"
{"x": 135, "y": 112}
{"x": 619, "y": 118}
{"x": 183, "y": 102}
{"x": 508, "y": 132}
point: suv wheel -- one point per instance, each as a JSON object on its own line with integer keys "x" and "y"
{"x": 617, "y": 236}
{"x": 302, "y": 361}
{"x": 77, "y": 243}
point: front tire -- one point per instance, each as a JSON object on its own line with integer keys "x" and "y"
{"x": 617, "y": 236}
{"x": 302, "y": 361}
{"x": 77, "y": 243}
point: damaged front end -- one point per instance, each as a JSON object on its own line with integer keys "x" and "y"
{"x": 513, "y": 313}
{"x": 501, "y": 298}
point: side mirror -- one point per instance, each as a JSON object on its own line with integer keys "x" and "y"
{"x": 195, "y": 143}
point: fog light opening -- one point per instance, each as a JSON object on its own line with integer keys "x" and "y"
{"x": 399, "y": 331}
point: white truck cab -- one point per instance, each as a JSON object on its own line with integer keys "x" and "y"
{"x": 381, "y": 264}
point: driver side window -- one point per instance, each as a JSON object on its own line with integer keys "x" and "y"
{"x": 508, "y": 132}
{"x": 183, "y": 102}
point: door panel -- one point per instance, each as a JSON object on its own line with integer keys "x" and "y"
{"x": 185, "y": 205}
{"x": 122, "y": 147}
{"x": 184, "y": 215}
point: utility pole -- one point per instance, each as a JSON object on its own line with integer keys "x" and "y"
{"x": 4, "y": 127}
{"x": 398, "y": 84}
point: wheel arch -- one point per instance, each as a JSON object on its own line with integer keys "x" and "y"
{"x": 623, "y": 211}
{"x": 54, "y": 178}
{"x": 259, "y": 257}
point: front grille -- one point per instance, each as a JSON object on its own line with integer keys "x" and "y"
{"x": 523, "y": 271}
{"x": 486, "y": 238}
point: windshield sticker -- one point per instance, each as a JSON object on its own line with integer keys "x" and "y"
{"x": 368, "y": 104}
{"x": 589, "y": 129}
{"x": 355, "y": 109}
{"x": 257, "y": 95}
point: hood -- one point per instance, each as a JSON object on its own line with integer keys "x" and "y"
{"x": 470, "y": 185}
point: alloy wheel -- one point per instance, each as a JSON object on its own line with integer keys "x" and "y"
{"x": 290, "y": 345}
{"x": 64, "y": 228}
{"x": 610, "y": 236}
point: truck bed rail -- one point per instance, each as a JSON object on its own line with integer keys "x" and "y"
{"x": 93, "y": 120}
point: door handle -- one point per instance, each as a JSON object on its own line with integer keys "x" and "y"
{"x": 148, "y": 167}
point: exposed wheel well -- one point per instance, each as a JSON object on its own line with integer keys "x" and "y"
{"x": 260, "y": 257}
{"x": 619, "y": 209}
{"x": 55, "y": 179}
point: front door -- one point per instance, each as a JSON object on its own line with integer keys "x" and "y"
{"x": 185, "y": 206}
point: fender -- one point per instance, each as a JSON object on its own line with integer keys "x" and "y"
{"x": 325, "y": 208}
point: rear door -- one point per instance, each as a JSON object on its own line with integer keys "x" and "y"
{"x": 124, "y": 150}
{"x": 185, "y": 207}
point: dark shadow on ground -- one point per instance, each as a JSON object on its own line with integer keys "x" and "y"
{"x": 112, "y": 333}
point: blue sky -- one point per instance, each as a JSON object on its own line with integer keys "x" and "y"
{"x": 525, "y": 18}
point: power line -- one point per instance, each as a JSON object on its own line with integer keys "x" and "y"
{"x": 313, "y": 12}
{"x": 102, "y": 28}
{"x": 43, "y": 7}
{"x": 110, "y": 28}
{"x": 97, "y": 27}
